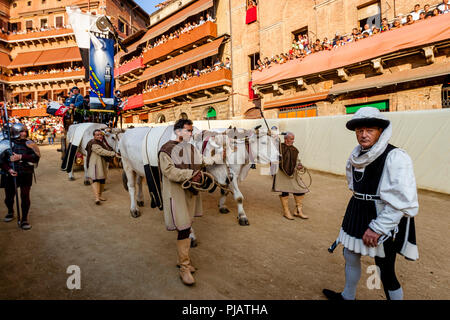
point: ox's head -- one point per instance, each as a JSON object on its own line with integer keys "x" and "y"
{"x": 264, "y": 146}
{"x": 112, "y": 137}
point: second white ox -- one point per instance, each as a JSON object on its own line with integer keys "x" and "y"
{"x": 78, "y": 137}
{"x": 139, "y": 149}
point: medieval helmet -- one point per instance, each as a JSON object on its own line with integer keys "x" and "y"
{"x": 16, "y": 129}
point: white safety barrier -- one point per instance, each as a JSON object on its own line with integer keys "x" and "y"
{"x": 325, "y": 143}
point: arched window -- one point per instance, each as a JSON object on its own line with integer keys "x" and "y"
{"x": 161, "y": 119}
{"x": 184, "y": 116}
{"x": 211, "y": 114}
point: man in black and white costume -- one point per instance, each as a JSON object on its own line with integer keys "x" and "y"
{"x": 379, "y": 219}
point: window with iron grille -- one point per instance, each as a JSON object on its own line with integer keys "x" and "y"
{"x": 446, "y": 93}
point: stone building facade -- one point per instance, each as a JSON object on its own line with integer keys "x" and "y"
{"x": 275, "y": 27}
{"x": 160, "y": 82}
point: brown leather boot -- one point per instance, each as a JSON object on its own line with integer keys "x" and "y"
{"x": 299, "y": 209}
{"x": 96, "y": 188}
{"x": 183, "y": 247}
{"x": 285, "y": 204}
{"x": 102, "y": 188}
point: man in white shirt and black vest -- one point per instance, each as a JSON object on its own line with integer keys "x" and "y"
{"x": 379, "y": 219}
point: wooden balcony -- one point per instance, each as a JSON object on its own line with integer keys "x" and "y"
{"x": 207, "y": 30}
{"x": 203, "y": 85}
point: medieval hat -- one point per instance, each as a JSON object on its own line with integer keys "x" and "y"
{"x": 367, "y": 117}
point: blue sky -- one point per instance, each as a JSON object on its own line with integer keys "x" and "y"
{"x": 148, "y": 5}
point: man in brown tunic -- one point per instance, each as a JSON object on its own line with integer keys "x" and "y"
{"x": 178, "y": 161}
{"x": 285, "y": 180}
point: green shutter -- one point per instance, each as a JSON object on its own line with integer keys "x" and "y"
{"x": 211, "y": 113}
{"x": 382, "y": 105}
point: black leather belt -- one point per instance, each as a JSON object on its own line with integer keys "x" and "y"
{"x": 368, "y": 197}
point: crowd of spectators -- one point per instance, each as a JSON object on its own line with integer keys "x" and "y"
{"x": 28, "y": 104}
{"x": 32, "y": 30}
{"x": 304, "y": 46}
{"x": 178, "y": 32}
{"x": 183, "y": 76}
{"x": 47, "y": 71}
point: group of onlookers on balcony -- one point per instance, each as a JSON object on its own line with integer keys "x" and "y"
{"x": 188, "y": 26}
{"x": 32, "y": 30}
{"x": 46, "y": 71}
{"x": 304, "y": 46}
{"x": 183, "y": 75}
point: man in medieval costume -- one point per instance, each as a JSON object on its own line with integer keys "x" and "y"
{"x": 287, "y": 180}
{"x": 99, "y": 154}
{"x": 25, "y": 155}
{"x": 379, "y": 219}
{"x": 178, "y": 162}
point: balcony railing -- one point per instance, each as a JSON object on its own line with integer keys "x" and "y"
{"x": 207, "y": 30}
{"x": 45, "y": 76}
{"x": 36, "y": 35}
{"x": 210, "y": 80}
{"x": 128, "y": 67}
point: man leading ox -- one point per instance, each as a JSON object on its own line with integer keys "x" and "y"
{"x": 178, "y": 161}
{"x": 379, "y": 219}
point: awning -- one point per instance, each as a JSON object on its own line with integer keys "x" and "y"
{"x": 25, "y": 59}
{"x": 177, "y": 18}
{"x": 411, "y": 36}
{"x": 431, "y": 71}
{"x": 182, "y": 60}
{"x": 58, "y": 56}
{"x": 296, "y": 100}
{"x": 4, "y": 59}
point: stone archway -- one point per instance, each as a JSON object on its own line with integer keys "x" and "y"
{"x": 161, "y": 118}
{"x": 210, "y": 113}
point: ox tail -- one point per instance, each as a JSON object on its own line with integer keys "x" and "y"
{"x": 125, "y": 180}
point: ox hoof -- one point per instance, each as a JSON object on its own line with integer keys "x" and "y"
{"x": 224, "y": 210}
{"x": 140, "y": 203}
{"x": 193, "y": 243}
{"x": 87, "y": 183}
{"x": 71, "y": 179}
{"x": 135, "y": 214}
{"x": 243, "y": 221}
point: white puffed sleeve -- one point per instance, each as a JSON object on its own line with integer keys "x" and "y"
{"x": 349, "y": 175}
{"x": 398, "y": 192}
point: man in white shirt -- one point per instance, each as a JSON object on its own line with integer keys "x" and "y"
{"x": 444, "y": 7}
{"x": 416, "y": 13}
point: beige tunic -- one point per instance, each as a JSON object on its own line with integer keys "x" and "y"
{"x": 180, "y": 205}
{"x": 98, "y": 167}
{"x": 283, "y": 183}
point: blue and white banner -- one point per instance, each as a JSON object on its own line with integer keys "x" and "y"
{"x": 101, "y": 73}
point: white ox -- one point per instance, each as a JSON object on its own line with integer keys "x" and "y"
{"x": 244, "y": 148}
{"x": 78, "y": 137}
